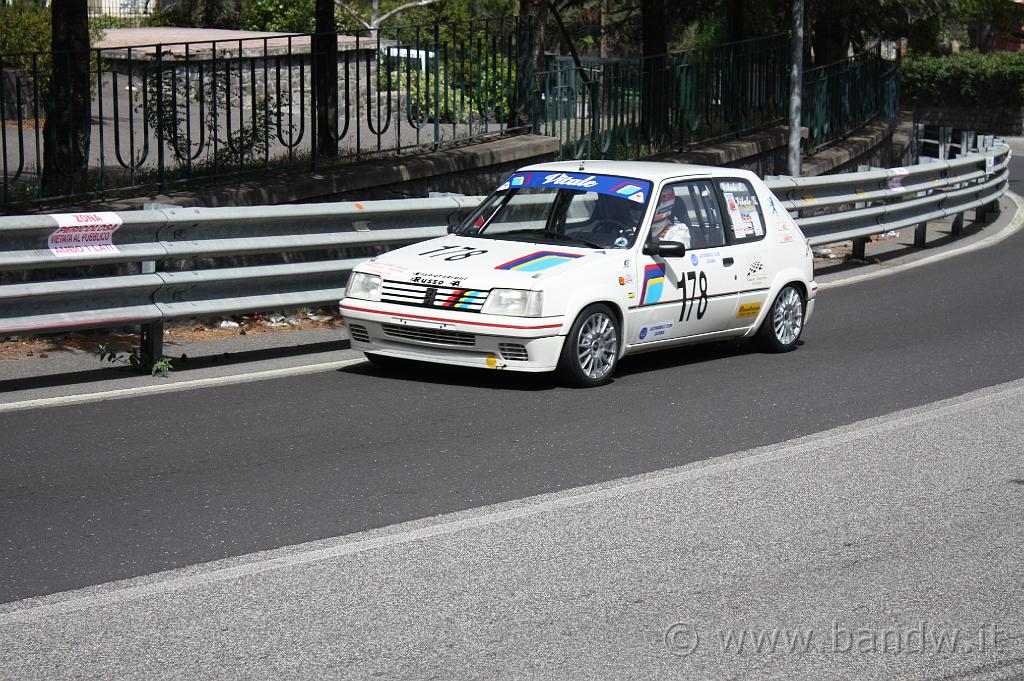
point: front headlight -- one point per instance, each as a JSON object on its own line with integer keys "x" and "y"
{"x": 514, "y": 302}
{"x": 362, "y": 285}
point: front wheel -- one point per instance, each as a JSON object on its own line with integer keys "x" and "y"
{"x": 591, "y": 350}
{"x": 784, "y": 322}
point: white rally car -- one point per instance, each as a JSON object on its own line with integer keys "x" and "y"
{"x": 570, "y": 266}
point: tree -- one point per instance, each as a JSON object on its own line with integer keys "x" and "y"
{"x": 376, "y": 18}
{"x": 986, "y": 19}
{"x": 654, "y": 43}
{"x": 66, "y": 132}
{"x": 325, "y": 69}
{"x": 204, "y": 13}
{"x": 533, "y": 15}
{"x": 735, "y": 25}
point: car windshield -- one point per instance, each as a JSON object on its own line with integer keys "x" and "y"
{"x": 579, "y": 209}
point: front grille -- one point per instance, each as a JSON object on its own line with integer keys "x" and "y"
{"x": 358, "y": 333}
{"x": 436, "y": 336}
{"x": 514, "y": 352}
{"x": 424, "y": 295}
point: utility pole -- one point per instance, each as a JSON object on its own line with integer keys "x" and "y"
{"x": 796, "y": 86}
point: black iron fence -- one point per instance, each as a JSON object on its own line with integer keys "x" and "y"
{"x": 166, "y": 115}
{"x": 846, "y": 94}
{"x": 170, "y": 114}
{"x": 627, "y": 108}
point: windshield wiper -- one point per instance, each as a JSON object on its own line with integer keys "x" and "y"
{"x": 557, "y": 235}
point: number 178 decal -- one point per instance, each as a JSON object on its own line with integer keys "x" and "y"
{"x": 698, "y": 295}
{"x": 454, "y": 252}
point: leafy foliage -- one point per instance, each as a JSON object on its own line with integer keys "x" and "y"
{"x": 966, "y": 79}
{"x": 284, "y": 16}
{"x": 430, "y": 97}
{"x": 200, "y": 14}
{"x": 26, "y": 28}
{"x": 174, "y": 95}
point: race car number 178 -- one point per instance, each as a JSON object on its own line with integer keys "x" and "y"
{"x": 454, "y": 252}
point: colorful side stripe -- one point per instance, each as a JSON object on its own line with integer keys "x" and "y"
{"x": 654, "y": 282}
{"x": 541, "y": 260}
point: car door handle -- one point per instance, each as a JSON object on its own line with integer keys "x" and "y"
{"x": 726, "y": 262}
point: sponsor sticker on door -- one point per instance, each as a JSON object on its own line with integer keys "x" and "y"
{"x": 748, "y": 310}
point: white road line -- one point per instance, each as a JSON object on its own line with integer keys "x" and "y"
{"x": 1006, "y": 232}
{"x": 121, "y": 393}
{"x": 34, "y": 609}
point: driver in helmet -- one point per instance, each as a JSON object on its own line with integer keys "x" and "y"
{"x": 666, "y": 225}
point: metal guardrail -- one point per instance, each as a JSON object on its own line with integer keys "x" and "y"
{"x": 855, "y": 206}
{"x": 195, "y": 246}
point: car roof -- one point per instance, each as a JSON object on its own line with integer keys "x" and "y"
{"x": 655, "y": 171}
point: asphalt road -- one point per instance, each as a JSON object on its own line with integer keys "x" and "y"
{"x": 110, "y": 490}
{"x": 891, "y": 548}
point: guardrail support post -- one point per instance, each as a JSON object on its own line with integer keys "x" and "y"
{"x": 920, "y": 234}
{"x": 152, "y": 336}
{"x": 858, "y": 248}
{"x": 945, "y": 140}
{"x": 152, "y": 345}
{"x": 981, "y": 213}
{"x": 958, "y": 224}
{"x": 992, "y": 211}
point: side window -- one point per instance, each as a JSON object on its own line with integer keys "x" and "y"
{"x": 743, "y": 210}
{"x": 688, "y": 212}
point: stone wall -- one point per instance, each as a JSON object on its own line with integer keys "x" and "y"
{"x": 472, "y": 169}
{"x": 883, "y": 142}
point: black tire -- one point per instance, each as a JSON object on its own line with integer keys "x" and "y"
{"x": 776, "y": 332}
{"x": 571, "y": 369}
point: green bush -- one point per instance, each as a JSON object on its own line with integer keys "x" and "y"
{"x": 462, "y": 94}
{"x": 26, "y": 28}
{"x": 283, "y": 16}
{"x": 966, "y": 79}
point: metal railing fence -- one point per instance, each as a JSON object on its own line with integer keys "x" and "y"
{"x": 167, "y": 115}
{"x": 846, "y": 94}
{"x": 181, "y": 262}
{"x": 627, "y": 108}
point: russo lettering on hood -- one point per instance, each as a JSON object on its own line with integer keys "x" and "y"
{"x": 623, "y": 187}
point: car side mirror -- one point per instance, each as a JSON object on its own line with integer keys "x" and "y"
{"x": 666, "y": 249}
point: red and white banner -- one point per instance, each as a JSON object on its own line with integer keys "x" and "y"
{"x": 84, "y": 233}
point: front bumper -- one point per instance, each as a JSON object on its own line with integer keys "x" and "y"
{"x": 463, "y": 339}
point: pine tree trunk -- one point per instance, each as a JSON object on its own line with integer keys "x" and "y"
{"x": 325, "y": 47}
{"x": 533, "y": 16}
{"x": 66, "y": 133}
{"x": 654, "y": 93}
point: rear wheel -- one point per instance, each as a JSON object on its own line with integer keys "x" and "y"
{"x": 591, "y": 350}
{"x": 780, "y": 331}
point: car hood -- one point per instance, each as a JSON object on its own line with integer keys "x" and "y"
{"x": 475, "y": 263}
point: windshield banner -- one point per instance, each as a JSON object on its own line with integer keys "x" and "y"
{"x": 623, "y": 187}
